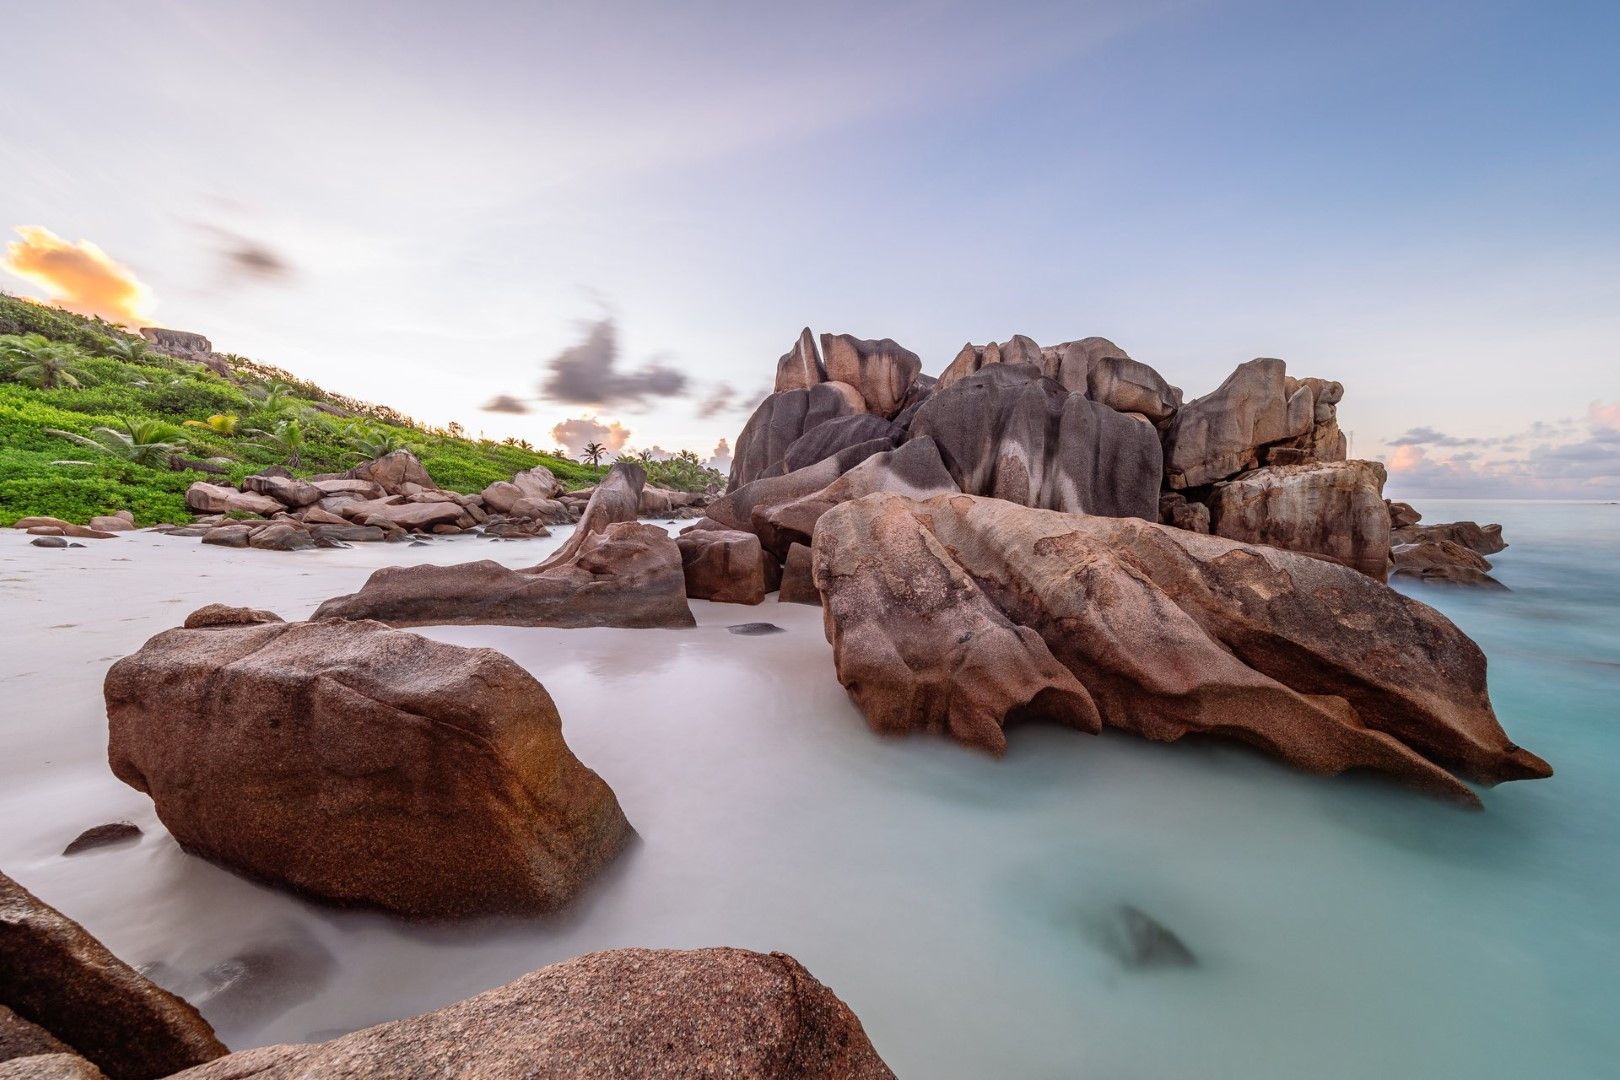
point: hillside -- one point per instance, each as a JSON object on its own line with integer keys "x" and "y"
{"x": 168, "y": 422}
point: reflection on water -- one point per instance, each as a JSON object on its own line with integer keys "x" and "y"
{"x": 972, "y": 911}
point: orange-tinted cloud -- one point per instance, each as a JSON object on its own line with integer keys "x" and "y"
{"x": 573, "y": 435}
{"x": 78, "y": 277}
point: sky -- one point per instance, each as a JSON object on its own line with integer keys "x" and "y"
{"x": 608, "y": 220}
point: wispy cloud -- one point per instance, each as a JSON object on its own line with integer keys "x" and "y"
{"x": 79, "y": 277}
{"x": 1579, "y": 459}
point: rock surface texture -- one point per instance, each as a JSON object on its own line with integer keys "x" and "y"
{"x": 1221, "y": 434}
{"x": 361, "y": 765}
{"x": 1164, "y": 632}
{"x": 658, "y": 1014}
{"x": 727, "y": 566}
{"x": 1009, "y": 433}
{"x": 58, "y": 978}
{"x": 1334, "y": 510}
{"x": 781, "y": 419}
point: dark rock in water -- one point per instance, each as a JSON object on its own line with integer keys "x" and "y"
{"x": 1142, "y": 942}
{"x": 1480, "y": 539}
{"x": 418, "y": 543}
{"x": 262, "y": 981}
{"x": 74, "y": 545}
{"x": 114, "y": 832}
{"x": 49, "y": 541}
{"x": 58, "y": 977}
{"x": 754, "y": 629}
{"x": 629, "y": 1012}
{"x": 1444, "y": 562}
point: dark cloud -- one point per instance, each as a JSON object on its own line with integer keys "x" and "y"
{"x": 246, "y": 259}
{"x": 721, "y": 399}
{"x": 1428, "y": 436}
{"x": 588, "y": 374}
{"x": 505, "y": 403}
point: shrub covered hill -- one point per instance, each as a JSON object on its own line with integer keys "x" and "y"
{"x": 94, "y": 419}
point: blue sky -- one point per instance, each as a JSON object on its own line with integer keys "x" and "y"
{"x": 1420, "y": 199}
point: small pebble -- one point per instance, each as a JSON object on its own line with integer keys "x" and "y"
{"x": 755, "y": 629}
{"x": 114, "y": 832}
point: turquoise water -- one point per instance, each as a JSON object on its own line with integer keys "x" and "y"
{"x": 1344, "y": 928}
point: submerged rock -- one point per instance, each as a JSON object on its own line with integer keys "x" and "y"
{"x": 49, "y": 541}
{"x": 754, "y": 629}
{"x": 100, "y": 836}
{"x": 57, "y": 977}
{"x": 361, "y": 765}
{"x": 650, "y": 1013}
{"x": 1165, "y": 633}
{"x": 1143, "y": 943}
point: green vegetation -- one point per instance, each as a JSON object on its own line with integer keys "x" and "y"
{"x": 93, "y": 420}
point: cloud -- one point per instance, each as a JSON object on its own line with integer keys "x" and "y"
{"x": 573, "y": 435}
{"x": 78, "y": 277}
{"x": 1571, "y": 460}
{"x": 1428, "y": 436}
{"x": 1604, "y": 417}
{"x": 588, "y": 374}
{"x": 720, "y": 460}
{"x": 721, "y": 399}
{"x": 505, "y": 403}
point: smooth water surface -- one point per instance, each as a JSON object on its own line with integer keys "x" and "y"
{"x": 1344, "y": 927}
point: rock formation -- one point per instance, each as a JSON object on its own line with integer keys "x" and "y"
{"x": 1167, "y": 632}
{"x": 800, "y": 367}
{"x": 835, "y": 436}
{"x": 798, "y": 578}
{"x": 1009, "y": 433}
{"x": 657, "y": 1014}
{"x": 727, "y": 566}
{"x": 1221, "y": 434}
{"x": 1443, "y": 561}
{"x": 1483, "y": 539}
{"x": 1332, "y": 509}
{"x": 57, "y": 978}
{"x": 914, "y": 470}
{"x": 880, "y": 371}
{"x": 361, "y": 765}
{"x": 781, "y": 419}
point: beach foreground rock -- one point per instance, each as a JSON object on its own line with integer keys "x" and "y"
{"x": 1167, "y": 633}
{"x": 57, "y": 979}
{"x": 361, "y": 765}
{"x": 647, "y": 1013}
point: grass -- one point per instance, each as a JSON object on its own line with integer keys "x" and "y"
{"x": 117, "y": 391}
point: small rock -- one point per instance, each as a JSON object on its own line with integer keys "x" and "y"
{"x": 1142, "y": 942}
{"x": 114, "y": 832}
{"x": 49, "y": 541}
{"x": 754, "y": 629}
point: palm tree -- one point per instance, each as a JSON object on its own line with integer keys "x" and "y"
{"x": 274, "y": 397}
{"x": 43, "y": 363}
{"x": 370, "y": 441}
{"x": 593, "y": 453}
{"x": 219, "y": 423}
{"x": 140, "y": 442}
{"x": 130, "y": 350}
{"x": 286, "y": 439}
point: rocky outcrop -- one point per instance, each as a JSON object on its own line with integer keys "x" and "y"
{"x": 1168, "y": 632}
{"x": 1402, "y": 514}
{"x": 735, "y": 509}
{"x": 834, "y": 436}
{"x": 55, "y": 526}
{"x": 658, "y": 1014}
{"x": 627, "y": 575}
{"x": 1180, "y": 512}
{"x": 1009, "y": 433}
{"x": 798, "y": 578}
{"x": 1221, "y": 434}
{"x": 1130, "y": 386}
{"x": 59, "y": 979}
{"x": 1332, "y": 510}
{"x": 286, "y": 490}
{"x": 120, "y": 521}
{"x": 537, "y": 483}
{"x": 1482, "y": 539}
{"x": 361, "y": 765}
{"x": 393, "y": 472}
{"x": 727, "y": 566}
{"x": 917, "y": 643}
{"x": 1444, "y": 562}
{"x": 800, "y": 367}
{"x": 615, "y": 500}
{"x": 781, "y": 419}
{"x": 206, "y": 498}
{"x": 914, "y": 470}
{"x": 185, "y": 345}
{"x": 880, "y": 371}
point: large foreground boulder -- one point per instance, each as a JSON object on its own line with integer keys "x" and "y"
{"x": 1332, "y": 510}
{"x": 1010, "y": 433}
{"x": 656, "y": 1014}
{"x": 59, "y": 979}
{"x": 626, "y": 575}
{"x": 361, "y": 765}
{"x": 1166, "y": 632}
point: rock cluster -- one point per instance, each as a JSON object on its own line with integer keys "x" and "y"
{"x": 1452, "y": 553}
{"x": 958, "y": 613}
{"x": 360, "y": 764}
{"x": 613, "y": 571}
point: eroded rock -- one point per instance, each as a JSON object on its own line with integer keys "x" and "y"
{"x": 361, "y": 765}
{"x": 727, "y": 566}
{"x": 1332, "y": 510}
